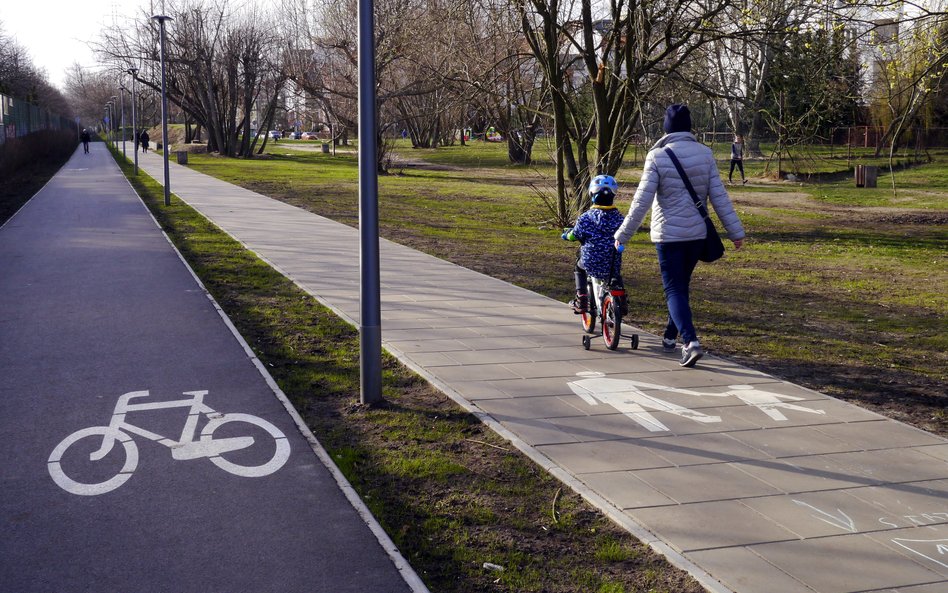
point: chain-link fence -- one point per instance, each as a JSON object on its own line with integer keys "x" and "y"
{"x": 20, "y": 118}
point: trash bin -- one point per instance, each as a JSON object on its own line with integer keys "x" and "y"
{"x": 866, "y": 175}
{"x": 182, "y": 157}
{"x": 325, "y": 148}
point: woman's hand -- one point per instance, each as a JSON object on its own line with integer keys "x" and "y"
{"x": 618, "y": 245}
{"x": 737, "y": 244}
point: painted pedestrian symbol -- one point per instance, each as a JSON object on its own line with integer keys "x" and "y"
{"x": 121, "y": 431}
{"x": 629, "y": 397}
{"x": 767, "y": 402}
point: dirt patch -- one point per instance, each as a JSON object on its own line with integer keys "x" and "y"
{"x": 402, "y": 162}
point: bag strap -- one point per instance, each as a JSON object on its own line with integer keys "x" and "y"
{"x": 691, "y": 190}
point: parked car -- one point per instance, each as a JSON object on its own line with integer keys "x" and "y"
{"x": 309, "y": 136}
{"x": 275, "y": 134}
{"x": 296, "y": 135}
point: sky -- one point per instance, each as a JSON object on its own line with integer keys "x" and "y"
{"x": 55, "y": 33}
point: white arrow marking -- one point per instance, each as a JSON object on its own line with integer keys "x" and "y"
{"x": 941, "y": 548}
{"x": 847, "y": 525}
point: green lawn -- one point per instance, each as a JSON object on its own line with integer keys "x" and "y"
{"x": 840, "y": 289}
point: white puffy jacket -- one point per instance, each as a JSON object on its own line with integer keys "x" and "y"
{"x": 674, "y": 215}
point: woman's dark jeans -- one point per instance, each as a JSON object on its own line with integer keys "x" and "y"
{"x": 677, "y": 261}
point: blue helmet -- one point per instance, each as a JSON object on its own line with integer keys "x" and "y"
{"x": 603, "y": 189}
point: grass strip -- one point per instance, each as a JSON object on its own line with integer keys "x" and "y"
{"x": 451, "y": 494}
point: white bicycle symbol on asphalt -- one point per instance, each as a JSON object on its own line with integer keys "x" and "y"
{"x": 186, "y": 447}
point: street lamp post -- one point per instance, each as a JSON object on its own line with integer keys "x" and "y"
{"x": 164, "y": 107}
{"x": 112, "y": 117}
{"x": 122, "y": 91}
{"x": 134, "y": 72}
{"x": 108, "y": 121}
{"x": 370, "y": 320}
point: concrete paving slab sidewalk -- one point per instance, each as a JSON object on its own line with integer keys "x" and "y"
{"x": 750, "y": 483}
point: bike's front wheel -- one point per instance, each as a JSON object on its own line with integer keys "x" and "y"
{"x": 54, "y": 465}
{"x": 611, "y": 322}
{"x": 589, "y": 316}
{"x": 244, "y": 467}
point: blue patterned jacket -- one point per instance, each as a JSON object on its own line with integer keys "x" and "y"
{"x": 595, "y": 229}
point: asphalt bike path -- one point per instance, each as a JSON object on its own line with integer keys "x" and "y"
{"x": 751, "y": 483}
{"x": 142, "y": 447}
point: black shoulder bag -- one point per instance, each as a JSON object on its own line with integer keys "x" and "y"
{"x": 713, "y": 248}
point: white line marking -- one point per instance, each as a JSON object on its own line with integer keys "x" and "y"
{"x": 844, "y": 522}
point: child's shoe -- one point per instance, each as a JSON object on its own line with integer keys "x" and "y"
{"x": 580, "y": 304}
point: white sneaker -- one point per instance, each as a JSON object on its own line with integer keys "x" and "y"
{"x": 690, "y": 354}
{"x": 668, "y": 345}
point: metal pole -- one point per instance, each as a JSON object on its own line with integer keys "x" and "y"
{"x": 108, "y": 124}
{"x": 370, "y": 328}
{"x": 133, "y": 72}
{"x": 112, "y": 119}
{"x": 122, "y": 90}
{"x": 164, "y": 108}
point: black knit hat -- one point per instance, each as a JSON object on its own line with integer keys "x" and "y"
{"x": 677, "y": 119}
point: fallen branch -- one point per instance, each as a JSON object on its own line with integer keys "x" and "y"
{"x": 488, "y": 444}
{"x": 556, "y": 497}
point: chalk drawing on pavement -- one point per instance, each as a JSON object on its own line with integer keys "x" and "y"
{"x": 935, "y": 550}
{"x": 839, "y": 519}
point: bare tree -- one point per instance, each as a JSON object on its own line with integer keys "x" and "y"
{"x": 20, "y": 78}
{"x": 910, "y": 71}
{"x": 741, "y": 62}
{"x": 323, "y": 56}
{"x": 222, "y": 65}
{"x": 604, "y": 69}
{"x": 416, "y": 64}
{"x": 499, "y": 76}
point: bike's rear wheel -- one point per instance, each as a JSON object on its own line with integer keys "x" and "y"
{"x": 241, "y": 468}
{"x": 611, "y": 322}
{"x": 54, "y": 465}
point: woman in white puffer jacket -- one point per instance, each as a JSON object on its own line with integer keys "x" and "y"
{"x": 677, "y": 228}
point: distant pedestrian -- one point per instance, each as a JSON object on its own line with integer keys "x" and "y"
{"x": 144, "y": 138}
{"x": 737, "y": 159}
{"x": 677, "y": 225}
{"x": 85, "y": 137}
